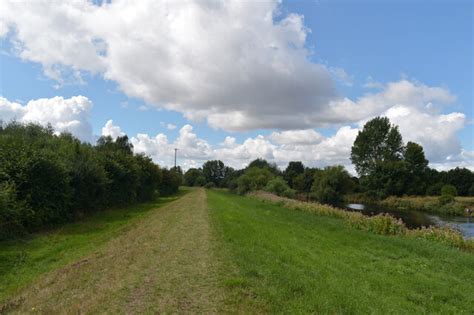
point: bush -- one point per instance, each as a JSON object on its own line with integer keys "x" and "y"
{"x": 170, "y": 183}
{"x": 331, "y": 184}
{"x": 254, "y": 178}
{"x": 434, "y": 190}
{"x": 446, "y": 235}
{"x": 471, "y": 190}
{"x": 200, "y": 181}
{"x": 277, "y": 186}
{"x": 445, "y": 199}
{"x": 48, "y": 179}
{"x": 191, "y": 177}
{"x": 449, "y": 190}
{"x": 210, "y": 185}
{"x": 12, "y": 212}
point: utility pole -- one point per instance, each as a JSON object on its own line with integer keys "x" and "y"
{"x": 175, "y": 152}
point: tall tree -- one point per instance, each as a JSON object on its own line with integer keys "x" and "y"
{"x": 214, "y": 171}
{"x": 379, "y": 141}
{"x": 417, "y": 167}
{"x": 293, "y": 169}
{"x": 415, "y": 156}
{"x": 262, "y": 163}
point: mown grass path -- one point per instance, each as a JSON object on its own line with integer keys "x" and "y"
{"x": 164, "y": 264}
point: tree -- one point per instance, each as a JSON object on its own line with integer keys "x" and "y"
{"x": 388, "y": 178}
{"x": 170, "y": 182}
{"x": 262, "y": 163}
{"x": 379, "y": 141}
{"x": 191, "y": 177}
{"x": 461, "y": 178}
{"x": 253, "y": 179}
{"x": 303, "y": 182}
{"x": 331, "y": 184}
{"x": 214, "y": 171}
{"x": 415, "y": 156}
{"x": 449, "y": 190}
{"x": 293, "y": 169}
{"x": 279, "y": 187}
{"x": 417, "y": 169}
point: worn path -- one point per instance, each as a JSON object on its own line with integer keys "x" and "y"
{"x": 166, "y": 264}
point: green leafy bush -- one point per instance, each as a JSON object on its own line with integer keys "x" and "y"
{"x": 449, "y": 190}
{"x": 253, "y": 179}
{"x": 445, "y": 199}
{"x": 278, "y": 186}
{"x": 48, "y": 179}
{"x": 210, "y": 185}
{"x": 331, "y": 184}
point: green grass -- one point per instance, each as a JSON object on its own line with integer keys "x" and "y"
{"x": 24, "y": 260}
{"x": 293, "y": 262}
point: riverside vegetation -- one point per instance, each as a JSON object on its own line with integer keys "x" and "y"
{"x": 383, "y": 224}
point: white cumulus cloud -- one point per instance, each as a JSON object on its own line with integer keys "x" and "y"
{"x": 112, "y": 130}
{"x": 238, "y": 64}
{"x": 65, "y": 115}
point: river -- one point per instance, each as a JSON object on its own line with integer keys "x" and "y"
{"x": 416, "y": 219}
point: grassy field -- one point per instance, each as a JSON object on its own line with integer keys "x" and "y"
{"x": 293, "y": 262}
{"x": 214, "y": 252}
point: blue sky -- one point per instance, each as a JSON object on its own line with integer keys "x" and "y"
{"x": 426, "y": 43}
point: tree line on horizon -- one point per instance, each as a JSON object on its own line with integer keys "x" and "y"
{"x": 386, "y": 167}
{"x": 47, "y": 179}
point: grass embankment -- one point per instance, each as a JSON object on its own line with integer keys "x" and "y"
{"x": 295, "y": 262}
{"x": 380, "y": 224}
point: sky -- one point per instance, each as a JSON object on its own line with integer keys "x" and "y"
{"x": 239, "y": 80}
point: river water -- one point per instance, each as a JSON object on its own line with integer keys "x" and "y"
{"x": 416, "y": 219}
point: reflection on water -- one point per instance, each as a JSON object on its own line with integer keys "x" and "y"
{"x": 464, "y": 224}
{"x": 416, "y": 219}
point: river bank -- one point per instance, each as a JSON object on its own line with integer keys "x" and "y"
{"x": 429, "y": 204}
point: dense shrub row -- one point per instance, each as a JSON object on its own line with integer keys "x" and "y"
{"x": 48, "y": 179}
{"x": 383, "y": 224}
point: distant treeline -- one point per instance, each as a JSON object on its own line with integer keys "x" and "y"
{"x": 323, "y": 184}
{"x": 48, "y": 179}
{"x": 386, "y": 167}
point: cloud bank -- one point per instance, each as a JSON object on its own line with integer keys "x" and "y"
{"x": 239, "y": 64}
{"x": 65, "y": 115}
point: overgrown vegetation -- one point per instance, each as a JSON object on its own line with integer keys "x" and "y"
{"x": 433, "y": 204}
{"x": 48, "y": 179}
{"x": 380, "y": 224}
